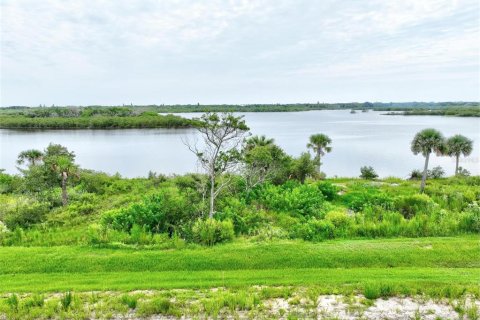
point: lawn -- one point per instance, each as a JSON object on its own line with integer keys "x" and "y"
{"x": 410, "y": 265}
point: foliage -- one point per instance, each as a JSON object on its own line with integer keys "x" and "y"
{"x": 23, "y": 212}
{"x": 320, "y": 144}
{"x": 362, "y": 196}
{"x": 368, "y": 173}
{"x": 294, "y": 198}
{"x": 436, "y": 173}
{"x": 470, "y": 220}
{"x": 94, "y": 122}
{"x": 425, "y": 142}
{"x": 303, "y": 167}
{"x": 409, "y": 206}
{"x": 164, "y": 211}
{"x": 210, "y": 231}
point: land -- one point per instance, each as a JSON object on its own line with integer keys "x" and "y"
{"x": 68, "y": 266}
{"x": 125, "y": 117}
{"x": 452, "y": 112}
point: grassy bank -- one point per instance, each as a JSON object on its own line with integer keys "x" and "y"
{"x": 418, "y": 264}
{"x": 410, "y": 281}
{"x": 424, "y": 252}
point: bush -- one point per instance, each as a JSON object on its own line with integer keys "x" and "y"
{"x": 338, "y": 218}
{"x": 158, "y": 305}
{"x": 210, "y": 231}
{"x": 314, "y": 230}
{"x": 328, "y": 190}
{"x": 364, "y": 196}
{"x": 294, "y": 198}
{"x": 23, "y": 212}
{"x": 415, "y": 174}
{"x": 368, "y": 173}
{"x": 162, "y": 212}
{"x": 3, "y": 228}
{"x": 410, "y": 206}
{"x": 470, "y": 219}
{"x": 436, "y": 173}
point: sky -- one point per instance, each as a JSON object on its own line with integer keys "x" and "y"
{"x": 247, "y": 51}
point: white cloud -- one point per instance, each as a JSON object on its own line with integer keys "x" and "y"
{"x": 100, "y": 45}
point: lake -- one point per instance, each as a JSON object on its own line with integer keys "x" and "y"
{"x": 358, "y": 139}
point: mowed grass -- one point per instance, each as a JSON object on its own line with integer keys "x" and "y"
{"x": 418, "y": 264}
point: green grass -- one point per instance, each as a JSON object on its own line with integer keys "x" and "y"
{"x": 422, "y": 264}
{"x": 331, "y": 280}
{"x": 451, "y": 252}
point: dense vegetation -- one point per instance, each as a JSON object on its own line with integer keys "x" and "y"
{"x": 89, "y": 118}
{"x": 473, "y": 111}
{"x": 251, "y": 188}
{"x": 124, "y": 117}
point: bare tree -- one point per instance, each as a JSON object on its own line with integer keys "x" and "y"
{"x": 223, "y": 136}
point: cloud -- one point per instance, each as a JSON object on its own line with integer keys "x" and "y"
{"x": 89, "y": 48}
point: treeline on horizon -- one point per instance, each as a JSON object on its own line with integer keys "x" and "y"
{"x": 276, "y": 107}
{"x": 125, "y": 117}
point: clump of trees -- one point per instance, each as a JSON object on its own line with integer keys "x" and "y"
{"x": 55, "y": 166}
{"x": 430, "y": 141}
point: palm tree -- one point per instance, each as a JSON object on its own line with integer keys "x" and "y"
{"x": 319, "y": 143}
{"x": 31, "y": 156}
{"x": 61, "y": 164}
{"x": 458, "y": 145}
{"x": 426, "y": 142}
{"x": 258, "y": 141}
{"x": 65, "y": 167}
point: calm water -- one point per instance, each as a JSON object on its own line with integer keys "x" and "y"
{"x": 358, "y": 139}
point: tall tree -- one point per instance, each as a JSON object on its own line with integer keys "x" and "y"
{"x": 303, "y": 167}
{"x": 264, "y": 161}
{"x": 60, "y": 166}
{"x": 320, "y": 144}
{"x": 223, "y": 136}
{"x": 32, "y": 156}
{"x": 426, "y": 142}
{"x": 458, "y": 145}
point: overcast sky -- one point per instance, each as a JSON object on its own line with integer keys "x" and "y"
{"x": 266, "y": 51}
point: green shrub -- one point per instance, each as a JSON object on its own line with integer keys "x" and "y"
{"x": 8, "y": 183}
{"x": 470, "y": 218}
{"x": 362, "y": 196}
{"x": 162, "y": 212}
{"x": 338, "y": 218}
{"x": 23, "y": 212}
{"x": 314, "y": 230}
{"x": 158, "y": 305}
{"x": 291, "y": 197}
{"x": 412, "y": 205}
{"x": 436, "y": 173}
{"x": 3, "y": 228}
{"x": 329, "y": 191}
{"x": 368, "y": 173}
{"x": 210, "y": 231}
{"x": 129, "y": 301}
